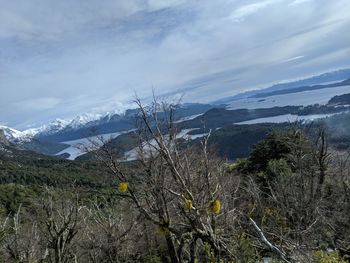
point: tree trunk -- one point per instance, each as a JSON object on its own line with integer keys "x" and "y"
{"x": 171, "y": 249}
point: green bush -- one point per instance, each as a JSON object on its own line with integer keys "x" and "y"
{"x": 244, "y": 251}
{"x": 151, "y": 259}
{"x": 327, "y": 257}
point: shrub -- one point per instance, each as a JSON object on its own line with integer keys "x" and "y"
{"x": 327, "y": 257}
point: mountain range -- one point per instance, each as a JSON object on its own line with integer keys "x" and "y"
{"x": 60, "y": 137}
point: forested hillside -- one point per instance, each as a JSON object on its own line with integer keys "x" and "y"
{"x": 179, "y": 202}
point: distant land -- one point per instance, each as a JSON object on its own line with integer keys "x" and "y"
{"x": 322, "y": 79}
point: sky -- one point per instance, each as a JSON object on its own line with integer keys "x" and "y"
{"x": 59, "y": 59}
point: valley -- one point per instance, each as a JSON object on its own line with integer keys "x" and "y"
{"x": 284, "y": 103}
{"x": 100, "y": 168}
{"x": 175, "y": 131}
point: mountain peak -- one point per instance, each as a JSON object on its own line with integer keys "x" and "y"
{"x": 83, "y": 119}
{"x": 3, "y": 139}
{"x": 13, "y": 135}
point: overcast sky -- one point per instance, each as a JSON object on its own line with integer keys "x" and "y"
{"x": 62, "y": 58}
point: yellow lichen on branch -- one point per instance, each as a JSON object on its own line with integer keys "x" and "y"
{"x": 215, "y": 206}
{"x": 188, "y": 204}
{"x": 123, "y": 187}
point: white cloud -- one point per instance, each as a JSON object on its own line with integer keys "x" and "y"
{"x": 159, "y": 4}
{"x": 37, "y": 104}
{"x": 292, "y": 59}
{"x": 298, "y": 2}
{"x": 249, "y": 9}
{"x": 52, "y": 19}
{"x": 93, "y": 55}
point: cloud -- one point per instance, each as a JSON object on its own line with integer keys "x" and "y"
{"x": 37, "y": 104}
{"x": 249, "y": 9}
{"x": 298, "y": 2}
{"x": 292, "y": 59}
{"x": 62, "y": 58}
{"x": 160, "y": 4}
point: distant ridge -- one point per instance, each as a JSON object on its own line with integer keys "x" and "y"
{"x": 322, "y": 79}
{"x": 301, "y": 89}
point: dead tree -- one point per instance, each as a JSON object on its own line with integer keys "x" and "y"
{"x": 178, "y": 189}
{"x": 61, "y": 226}
{"x": 322, "y": 157}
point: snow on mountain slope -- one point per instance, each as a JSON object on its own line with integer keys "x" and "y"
{"x": 83, "y": 120}
{"x": 17, "y": 136}
{"x": 14, "y": 135}
{"x": 51, "y": 128}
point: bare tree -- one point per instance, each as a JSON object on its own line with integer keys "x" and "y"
{"x": 179, "y": 188}
{"x": 24, "y": 243}
{"x": 111, "y": 234}
{"x": 61, "y": 225}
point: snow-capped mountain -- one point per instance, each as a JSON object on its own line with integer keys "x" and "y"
{"x": 18, "y": 137}
{"x": 283, "y": 99}
{"x": 50, "y": 128}
{"x": 15, "y": 136}
{"x": 90, "y": 124}
{"x": 82, "y": 120}
{"x": 86, "y": 125}
{"x": 53, "y": 127}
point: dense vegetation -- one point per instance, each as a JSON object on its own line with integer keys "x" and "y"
{"x": 287, "y": 201}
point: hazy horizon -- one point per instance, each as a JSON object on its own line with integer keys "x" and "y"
{"x": 61, "y": 58}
